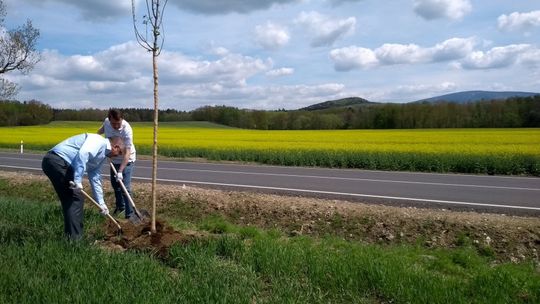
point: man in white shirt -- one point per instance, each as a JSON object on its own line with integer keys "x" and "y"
{"x": 67, "y": 162}
{"x": 115, "y": 125}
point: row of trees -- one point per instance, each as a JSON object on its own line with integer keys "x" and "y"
{"x": 510, "y": 113}
{"x": 130, "y": 114}
{"x": 14, "y": 113}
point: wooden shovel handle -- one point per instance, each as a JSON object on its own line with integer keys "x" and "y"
{"x": 96, "y": 203}
{"x": 125, "y": 191}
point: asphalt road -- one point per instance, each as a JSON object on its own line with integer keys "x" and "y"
{"x": 496, "y": 194}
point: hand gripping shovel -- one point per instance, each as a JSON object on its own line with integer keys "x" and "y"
{"x": 96, "y": 203}
{"x": 140, "y": 215}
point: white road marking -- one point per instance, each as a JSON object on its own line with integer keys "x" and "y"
{"x": 338, "y": 178}
{"x": 347, "y": 178}
{"x": 18, "y": 167}
{"x": 321, "y": 192}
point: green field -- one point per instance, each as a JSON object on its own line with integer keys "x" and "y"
{"x": 483, "y": 151}
{"x": 235, "y": 264}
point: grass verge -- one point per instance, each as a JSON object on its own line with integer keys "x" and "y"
{"x": 237, "y": 264}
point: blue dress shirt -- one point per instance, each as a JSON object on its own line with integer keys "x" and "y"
{"x": 86, "y": 152}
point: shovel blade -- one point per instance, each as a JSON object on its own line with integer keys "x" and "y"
{"x": 144, "y": 213}
{"x": 135, "y": 220}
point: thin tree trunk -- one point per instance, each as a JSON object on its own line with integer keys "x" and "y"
{"x": 155, "y": 149}
{"x": 154, "y": 19}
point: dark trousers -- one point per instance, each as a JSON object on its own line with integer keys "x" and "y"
{"x": 61, "y": 173}
{"x": 122, "y": 201}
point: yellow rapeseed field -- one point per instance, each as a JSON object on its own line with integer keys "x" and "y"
{"x": 208, "y": 140}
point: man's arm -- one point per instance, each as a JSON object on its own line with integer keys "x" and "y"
{"x": 125, "y": 160}
{"x": 94, "y": 177}
{"x": 128, "y": 142}
{"x": 88, "y": 152}
{"x": 101, "y": 130}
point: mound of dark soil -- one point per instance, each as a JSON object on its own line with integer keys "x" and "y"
{"x": 138, "y": 236}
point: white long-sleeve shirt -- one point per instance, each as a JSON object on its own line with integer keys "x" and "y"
{"x": 86, "y": 153}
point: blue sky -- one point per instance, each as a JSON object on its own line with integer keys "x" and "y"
{"x": 271, "y": 54}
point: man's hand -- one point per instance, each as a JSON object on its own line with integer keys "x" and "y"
{"x": 119, "y": 177}
{"x": 104, "y": 210}
{"x": 76, "y": 187}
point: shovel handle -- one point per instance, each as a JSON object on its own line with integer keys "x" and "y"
{"x": 96, "y": 203}
{"x": 126, "y": 191}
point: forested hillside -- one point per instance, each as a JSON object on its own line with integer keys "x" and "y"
{"x": 473, "y": 96}
{"x": 514, "y": 112}
{"x": 510, "y": 113}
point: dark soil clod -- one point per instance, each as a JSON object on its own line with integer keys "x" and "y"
{"x": 139, "y": 237}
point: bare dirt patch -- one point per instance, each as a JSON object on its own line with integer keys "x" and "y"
{"x": 139, "y": 237}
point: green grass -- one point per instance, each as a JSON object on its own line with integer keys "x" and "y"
{"x": 237, "y": 265}
{"x": 38, "y": 266}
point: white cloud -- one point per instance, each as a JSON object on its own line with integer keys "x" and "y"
{"x": 400, "y": 53}
{"x": 35, "y": 81}
{"x": 271, "y": 36}
{"x": 124, "y": 73}
{"x": 446, "y": 86}
{"x": 531, "y": 58}
{"x": 213, "y": 7}
{"x": 218, "y": 51}
{"x": 410, "y": 92}
{"x": 435, "y": 9}
{"x": 452, "y": 49}
{"x": 121, "y": 76}
{"x": 519, "y": 21}
{"x": 460, "y": 51}
{"x": 258, "y": 97}
{"x": 114, "y": 64}
{"x": 324, "y": 30}
{"x": 231, "y": 70}
{"x": 497, "y": 57}
{"x": 280, "y": 72}
{"x": 293, "y": 96}
{"x": 353, "y": 57}
{"x": 104, "y": 87}
{"x": 213, "y": 54}
{"x": 339, "y": 2}
{"x": 96, "y": 10}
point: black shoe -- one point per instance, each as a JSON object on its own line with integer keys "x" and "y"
{"x": 117, "y": 212}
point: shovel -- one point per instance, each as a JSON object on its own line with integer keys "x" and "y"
{"x": 140, "y": 215}
{"x": 96, "y": 203}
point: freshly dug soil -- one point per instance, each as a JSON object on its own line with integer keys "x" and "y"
{"x": 138, "y": 236}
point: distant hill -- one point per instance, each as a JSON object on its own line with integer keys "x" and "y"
{"x": 472, "y": 96}
{"x": 338, "y": 103}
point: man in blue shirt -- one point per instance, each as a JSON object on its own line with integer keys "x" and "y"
{"x": 68, "y": 161}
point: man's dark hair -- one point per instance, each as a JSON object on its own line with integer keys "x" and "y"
{"x": 115, "y": 114}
